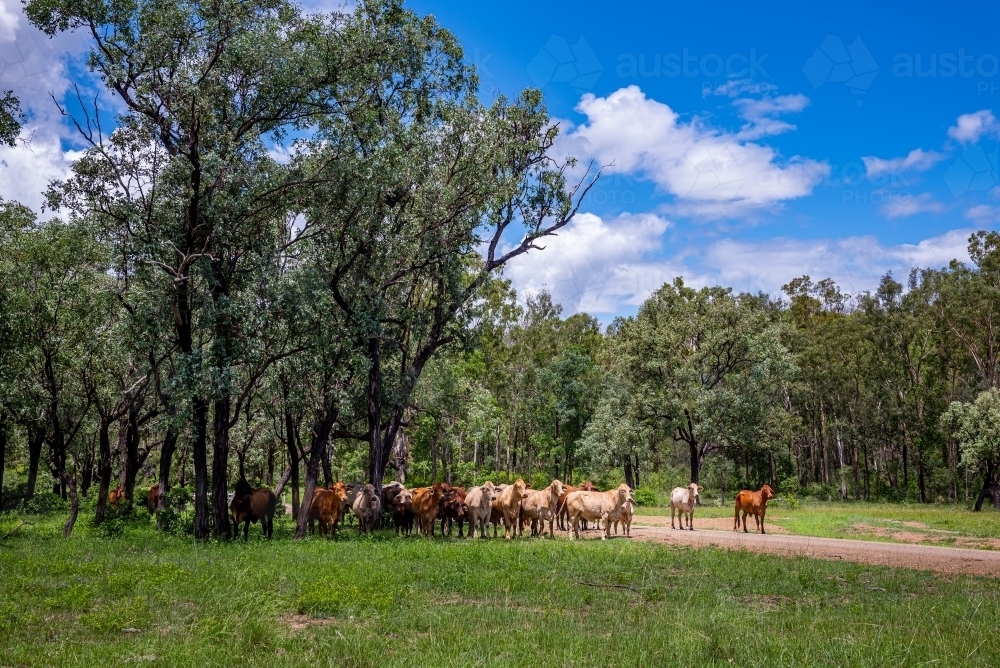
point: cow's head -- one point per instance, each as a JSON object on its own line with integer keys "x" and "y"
{"x": 695, "y": 488}
{"x": 520, "y": 487}
{"x": 557, "y": 488}
{"x": 339, "y": 490}
{"x": 624, "y": 493}
{"x": 766, "y": 492}
{"x": 243, "y": 488}
{"x": 490, "y": 490}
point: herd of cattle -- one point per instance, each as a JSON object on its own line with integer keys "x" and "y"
{"x": 514, "y": 506}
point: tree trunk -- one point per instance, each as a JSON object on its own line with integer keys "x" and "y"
{"x": 35, "y": 440}
{"x": 166, "y": 459}
{"x": 695, "y": 463}
{"x": 293, "y": 456}
{"x": 74, "y": 511}
{"x": 220, "y": 470}
{"x": 327, "y": 466}
{"x": 378, "y": 457}
{"x": 319, "y": 441}
{"x": 990, "y": 488}
{"x": 3, "y": 453}
{"x": 104, "y": 464}
{"x": 199, "y": 454}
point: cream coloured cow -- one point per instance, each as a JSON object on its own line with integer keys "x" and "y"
{"x": 596, "y": 506}
{"x": 683, "y": 500}
{"x": 508, "y": 504}
{"x": 538, "y": 506}
{"x": 480, "y": 502}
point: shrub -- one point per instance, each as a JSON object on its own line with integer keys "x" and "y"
{"x": 45, "y": 502}
{"x": 645, "y": 496}
{"x": 113, "y": 526}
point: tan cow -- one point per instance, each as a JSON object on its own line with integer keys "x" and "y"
{"x": 541, "y": 505}
{"x": 596, "y": 506}
{"x": 480, "y": 502}
{"x": 509, "y": 505}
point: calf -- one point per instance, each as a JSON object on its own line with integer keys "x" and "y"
{"x": 389, "y": 494}
{"x": 479, "y": 501}
{"x": 402, "y": 512}
{"x": 539, "y": 506}
{"x": 116, "y": 497}
{"x": 253, "y": 505}
{"x": 596, "y": 506}
{"x": 752, "y": 503}
{"x": 509, "y": 505}
{"x": 367, "y": 506}
{"x": 683, "y": 500}
{"x": 153, "y": 498}
{"x": 625, "y": 517}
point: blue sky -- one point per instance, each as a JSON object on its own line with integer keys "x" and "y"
{"x": 751, "y": 144}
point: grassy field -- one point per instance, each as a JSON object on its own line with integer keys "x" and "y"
{"x": 932, "y": 524}
{"x": 150, "y": 599}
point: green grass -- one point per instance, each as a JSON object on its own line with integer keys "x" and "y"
{"x": 942, "y": 524}
{"x": 150, "y": 599}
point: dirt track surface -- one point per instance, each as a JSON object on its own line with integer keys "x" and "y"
{"x": 920, "y": 557}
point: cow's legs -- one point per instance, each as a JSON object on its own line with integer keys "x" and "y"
{"x": 745, "y": 522}
{"x": 762, "y": 523}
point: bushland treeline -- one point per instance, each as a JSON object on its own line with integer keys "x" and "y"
{"x": 284, "y": 263}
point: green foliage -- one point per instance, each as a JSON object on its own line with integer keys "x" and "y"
{"x": 645, "y": 496}
{"x": 43, "y": 503}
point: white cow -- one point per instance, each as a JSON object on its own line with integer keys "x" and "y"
{"x": 683, "y": 500}
{"x": 480, "y": 502}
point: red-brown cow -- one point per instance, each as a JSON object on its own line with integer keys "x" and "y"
{"x": 253, "y": 505}
{"x": 752, "y": 503}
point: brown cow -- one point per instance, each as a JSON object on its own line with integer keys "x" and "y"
{"x": 253, "y": 505}
{"x": 454, "y": 510}
{"x": 325, "y": 508}
{"x": 402, "y": 512}
{"x": 427, "y": 505}
{"x": 153, "y": 498}
{"x": 116, "y": 497}
{"x": 752, "y": 503}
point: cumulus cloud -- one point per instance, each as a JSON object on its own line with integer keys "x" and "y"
{"x": 855, "y": 263}
{"x": 983, "y": 213}
{"x": 906, "y": 206}
{"x": 970, "y": 127}
{"x": 608, "y": 267}
{"x": 35, "y": 66}
{"x": 593, "y": 265}
{"x": 917, "y": 160}
{"x": 710, "y": 171}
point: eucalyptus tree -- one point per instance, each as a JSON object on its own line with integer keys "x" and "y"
{"x": 63, "y": 271}
{"x": 976, "y": 425}
{"x": 418, "y": 176}
{"x": 706, "y": 366}
{"x": 185, "y": 185}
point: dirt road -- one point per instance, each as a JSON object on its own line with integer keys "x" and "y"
{"x": 921, "y": 557}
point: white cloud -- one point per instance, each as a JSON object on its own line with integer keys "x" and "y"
{"x": 855, "y": 263}
{"x": 761, "y": 115}
{"x": 610, "y": 266}
{"x": 35, "y": 66}
{"x": 900, "y": 206}
{"x": 917, "y": 160}
{"x": 712, "y": 172}
{"x": 983, "y": 213}
{"x": 593, "y": 265}
{"x": 970, "y": 127}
